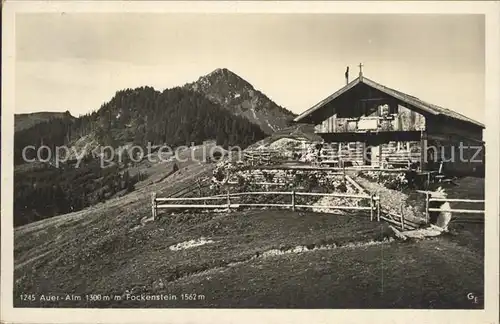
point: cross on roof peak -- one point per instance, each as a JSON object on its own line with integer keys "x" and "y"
{"x": 360, "y": 69}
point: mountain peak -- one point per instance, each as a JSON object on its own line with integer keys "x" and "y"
{"x": 226, "y": 76}
{"x": 217, "y": 71}
{"x": 234, "y": 93}
{"x": 221, "y": 71}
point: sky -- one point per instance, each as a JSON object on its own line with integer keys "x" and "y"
{"x": 77, "y": 61}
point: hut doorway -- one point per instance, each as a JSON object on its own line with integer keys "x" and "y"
{"x": 375, "y": 155}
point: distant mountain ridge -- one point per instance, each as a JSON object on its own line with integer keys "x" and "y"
{"x": 175, "y": 117}
{"x": 219, "y": 106}
{"x": 222, "y": 87}
{"x": 239, "y": 97}
{"x": 28, "y": 120}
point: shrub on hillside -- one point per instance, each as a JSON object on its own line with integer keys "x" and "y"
{"x": 390, "y": 180}
{"x": 341, "y": 187}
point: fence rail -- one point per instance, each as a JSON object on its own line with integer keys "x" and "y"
{"x": 323, "y": 168}
{"x": 330, "y": 156}
{"x": 333, "y": 195}
{"x": 260, "y": 183}
{"x": 260, "y": 156}
{"x": 168, "y": 203}
{"x": 461, "y": 211}
{"x": 429, "y": 199}
{"x": 374, "y": 208}
{"x": 190, "y": 198}
{"x": 399, "y": 220}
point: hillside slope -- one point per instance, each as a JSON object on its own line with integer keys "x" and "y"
{"x": 28, "y": 120}
{"x": 300, "y": 133}
{"x": 141, "y": 117}
{"x": 242, "y": 99}
{"x": 250, "y": 259}
{"x": 175, "y": 117}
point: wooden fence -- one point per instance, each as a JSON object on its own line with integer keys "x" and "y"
{"x": 327, "y": 158}
{"x": 193, "y": 186}
{"x": 399, "y": 220}
{"x": 229, "y": 202}
{"x": 429, "y": 199}
{"x": 341, "y": 170}
{"x": 257, "y": 157}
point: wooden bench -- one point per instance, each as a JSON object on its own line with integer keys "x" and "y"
{"x": 398, "y": 161}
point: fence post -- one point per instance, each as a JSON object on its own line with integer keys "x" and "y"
{"x": 378, "y": 208}
{"x": 199, "y": 191}
{"x": 402, "y": 218}
{"x": 228, "y": 201}
{"x": 293, "y": 200}
{"x": 371, "y": 207}
{"x": 343, "y": 170}
{"x": 153, "y": 205}
{"x": 427, "y": 207}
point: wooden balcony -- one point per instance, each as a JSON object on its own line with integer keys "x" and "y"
{"x": 363, "y": 124}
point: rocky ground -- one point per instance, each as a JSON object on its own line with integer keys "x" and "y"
{"x": 394, "y": 201}
{"x": 467, "y": 232}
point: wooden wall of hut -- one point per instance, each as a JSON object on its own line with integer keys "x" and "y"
{"x": 401, "y": 151}
{"x": 408, "y": 120}
{"x": 459, "y": 145}
{"x": 348, "y": 151}
{"x": 460, "y": 155}
{"x": 404, "y": 120}
{"x": 360, "y": 154}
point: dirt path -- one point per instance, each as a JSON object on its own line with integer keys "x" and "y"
{"x": 391, "y": 200}
{"x": 22, "y": 264}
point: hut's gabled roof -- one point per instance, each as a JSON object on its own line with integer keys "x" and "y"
{"x": 410, "y": 100}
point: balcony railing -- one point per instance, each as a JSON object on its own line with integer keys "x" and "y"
{"x": 364, "y": 124}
